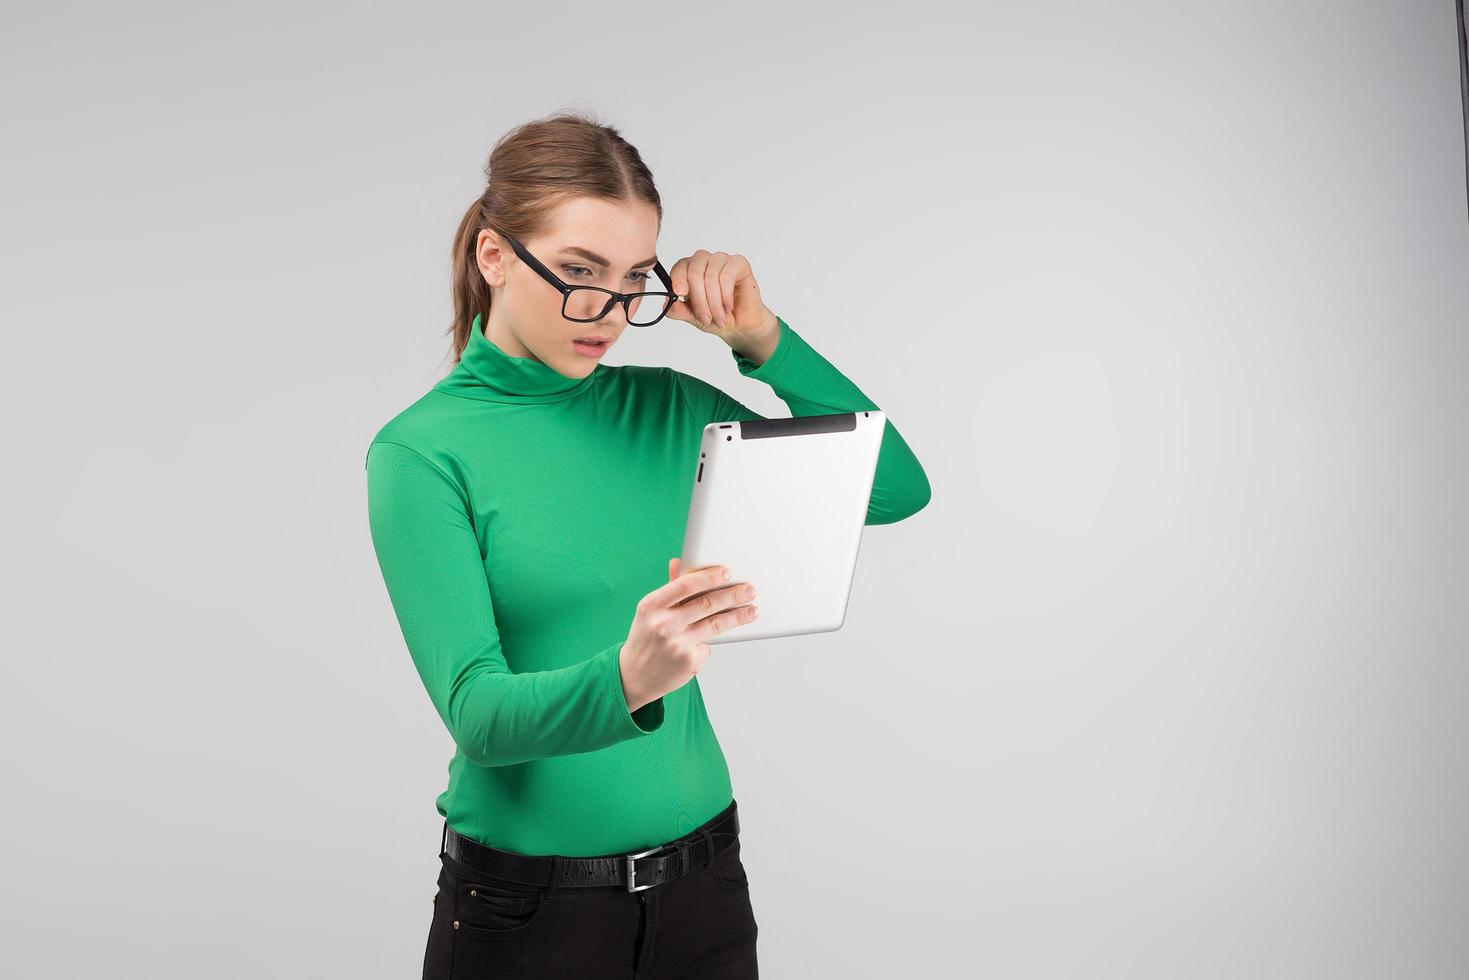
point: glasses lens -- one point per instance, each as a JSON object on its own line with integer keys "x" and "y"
{"x": 585, "y": 304}
{"x": 648, "y": 308}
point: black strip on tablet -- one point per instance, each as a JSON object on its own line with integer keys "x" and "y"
{"x": 799, "y": 426}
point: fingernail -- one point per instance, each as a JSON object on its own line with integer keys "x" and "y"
{"x": 726, "y": 575}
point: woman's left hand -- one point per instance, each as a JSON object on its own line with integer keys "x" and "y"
{"x": 722, "y": 297}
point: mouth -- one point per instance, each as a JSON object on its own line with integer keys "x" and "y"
{"x": 593, "y": 346}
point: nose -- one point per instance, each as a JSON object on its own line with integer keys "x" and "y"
{"x": 617, "y": 316}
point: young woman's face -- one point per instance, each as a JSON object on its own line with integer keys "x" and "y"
{"x": 590, "y": 242}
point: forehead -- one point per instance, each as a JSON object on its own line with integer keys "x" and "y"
{"x": 624, "y": 232}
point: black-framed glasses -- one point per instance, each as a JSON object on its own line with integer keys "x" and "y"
{"x": 587, "y": 304}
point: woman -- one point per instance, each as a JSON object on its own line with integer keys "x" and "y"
{"x": 519, "y": 510}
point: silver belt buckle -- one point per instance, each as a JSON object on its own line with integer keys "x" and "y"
{"x": 632, "y": 868}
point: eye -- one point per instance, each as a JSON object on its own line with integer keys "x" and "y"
{"x": 576, "y": 270}
{"x": 640, "y": 276}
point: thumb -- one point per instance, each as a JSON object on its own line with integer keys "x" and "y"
{"x": 672, "y": 569}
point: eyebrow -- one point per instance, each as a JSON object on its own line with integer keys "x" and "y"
{"x": 594, "y": 257}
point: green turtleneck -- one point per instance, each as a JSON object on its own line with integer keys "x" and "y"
{"x": 518, "y": 515}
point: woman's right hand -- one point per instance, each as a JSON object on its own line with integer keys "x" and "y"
{"x": 665, "y": 646}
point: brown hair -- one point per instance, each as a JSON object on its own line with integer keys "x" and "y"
{"x": 532, "y": 170}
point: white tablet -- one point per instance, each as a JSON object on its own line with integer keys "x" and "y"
{"x": 782, "y": 503}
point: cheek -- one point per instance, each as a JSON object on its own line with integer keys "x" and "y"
{"x": 536, "y": 314}
{"x": 530, "y": 300}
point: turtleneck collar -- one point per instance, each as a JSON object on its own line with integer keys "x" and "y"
{"x": 485, "y": 371}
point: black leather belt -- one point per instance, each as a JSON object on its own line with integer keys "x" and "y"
{"x": 636, "y": 871}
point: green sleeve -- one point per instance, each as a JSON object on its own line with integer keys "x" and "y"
{"x": 435, "y": 577}
{"x": 810, "y": 385}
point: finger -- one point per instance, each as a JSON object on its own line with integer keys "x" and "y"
{"x": 723, "y": 622}
{"x": 698, "y": 302}
{"x": 713, "y": 293}
{"x": 679, "y": 276}
{"x": 711, "y": 603}
{"x": 727, "y": 277}
{"x": 672, "y": 569}
{"x": 697, "y": 580}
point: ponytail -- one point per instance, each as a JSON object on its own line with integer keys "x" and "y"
{"x": 471, "y": 292}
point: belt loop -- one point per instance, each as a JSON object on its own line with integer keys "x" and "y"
{"x": 444, "y": 839}
{"x": 709, "y": 840}
{"x": 556, "y": 873}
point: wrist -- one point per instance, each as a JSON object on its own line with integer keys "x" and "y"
{"x": 760, "y": 343}
{"x": 635, "y": 698}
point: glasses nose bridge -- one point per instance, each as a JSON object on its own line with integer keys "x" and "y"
{"x": 613, "y": 302}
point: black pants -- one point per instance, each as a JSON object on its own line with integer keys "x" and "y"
{"x": 700, "y": 925}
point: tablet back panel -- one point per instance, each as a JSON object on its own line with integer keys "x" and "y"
{"x": 782, "y": 502}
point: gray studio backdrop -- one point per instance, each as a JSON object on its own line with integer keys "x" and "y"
{"x": 1169, "y": 298}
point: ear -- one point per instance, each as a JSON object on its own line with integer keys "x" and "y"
{"x": 491, "y": 256}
